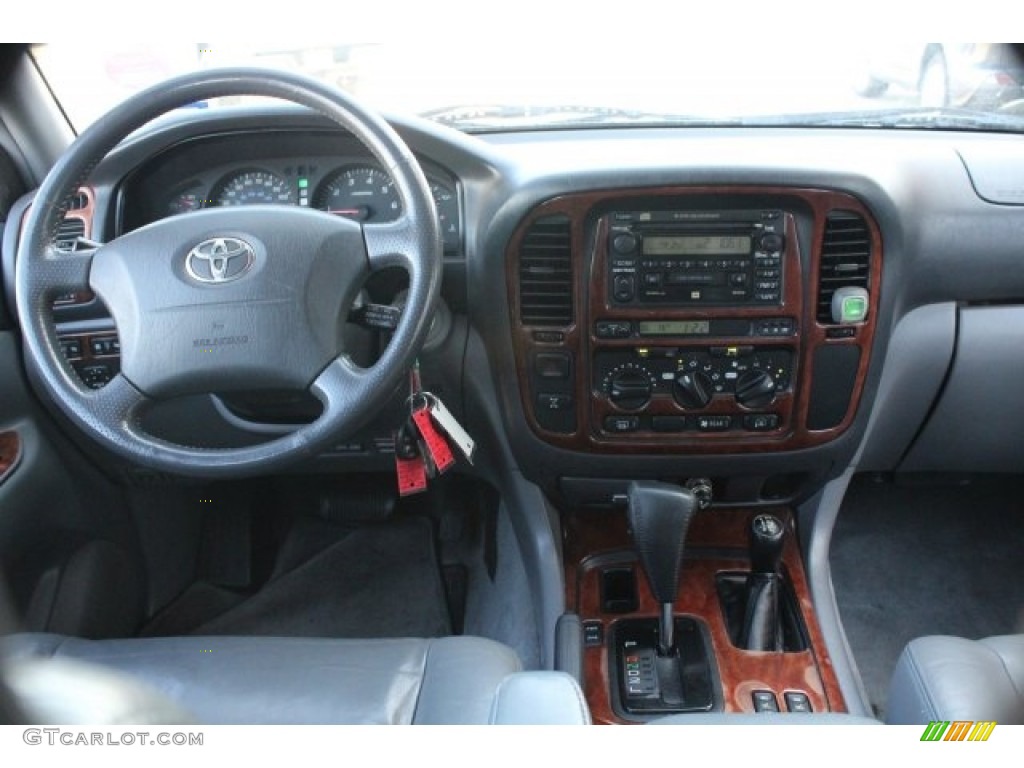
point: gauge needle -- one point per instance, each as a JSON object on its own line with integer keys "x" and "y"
{"x": 360, "y": 212}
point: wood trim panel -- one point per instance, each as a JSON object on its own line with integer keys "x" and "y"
{"x": 86, "y": 214}
{"x": 10, "y": 453}
{"x": 717, "y": 542}
{"x": 590, "y": 286}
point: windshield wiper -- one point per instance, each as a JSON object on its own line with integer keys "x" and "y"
{"x": 503, "y": 117}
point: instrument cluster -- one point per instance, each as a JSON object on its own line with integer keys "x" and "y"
{"x": 352, "y": 187}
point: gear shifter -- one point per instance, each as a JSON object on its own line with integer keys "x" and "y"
{"x": 762, "y": 622}
{"x": 660, "y": 515}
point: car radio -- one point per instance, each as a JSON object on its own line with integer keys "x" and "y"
{"x": 695, "y": 258}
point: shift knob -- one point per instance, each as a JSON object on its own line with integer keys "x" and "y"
{"x": 767, "y": 535}
{"x": 660, "y": 516}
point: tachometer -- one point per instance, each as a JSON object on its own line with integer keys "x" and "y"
{"x": 253, "y": 188}
{"x": 360, "y": 192}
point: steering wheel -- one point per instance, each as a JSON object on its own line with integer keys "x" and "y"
{"x": 228, "y": 299}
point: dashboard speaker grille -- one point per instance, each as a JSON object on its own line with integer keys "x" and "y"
{"x": 69, "y": 232}
{"x": 545, "y": 273}
{"x": 845, "y": 258}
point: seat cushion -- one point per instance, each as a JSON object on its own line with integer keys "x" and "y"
{"x": 247, "y": 680}
{"x": 950, "y": 678}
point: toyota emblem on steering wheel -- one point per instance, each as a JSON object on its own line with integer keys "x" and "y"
{"x": 219, "y": 260}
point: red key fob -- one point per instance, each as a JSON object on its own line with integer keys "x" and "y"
{"x": 409, "y": 464}
{"x": 440, "y": 452}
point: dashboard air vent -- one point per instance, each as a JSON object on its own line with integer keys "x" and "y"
{"x": 845, "y": 258}
{"x": 69, "y": 232}
{"x": 545, "y": 273}
{"x": 78, "y": 202}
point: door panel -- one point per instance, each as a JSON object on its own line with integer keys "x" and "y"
{"x": 67, "y": 548}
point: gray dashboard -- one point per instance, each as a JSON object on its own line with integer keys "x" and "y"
{"x": 948, "y": 314}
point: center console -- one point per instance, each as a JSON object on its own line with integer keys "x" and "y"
{"x": 731, "y": 326}
{"x": 694, "y": 320}
{"x": 745, "y": 634}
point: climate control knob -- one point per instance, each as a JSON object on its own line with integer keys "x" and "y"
{"x": 629, "y": 386}
{"x": 692, "y": 389}
{"x": 755, "y": 389}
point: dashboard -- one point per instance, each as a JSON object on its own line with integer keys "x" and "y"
{"x": 647, "y": 303}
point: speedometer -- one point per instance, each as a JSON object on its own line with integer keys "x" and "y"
{"x": 253, "y": 188}
{"x": 361, "y": 192}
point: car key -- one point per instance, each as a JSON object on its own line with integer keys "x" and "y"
{"x": 451, "y": 427}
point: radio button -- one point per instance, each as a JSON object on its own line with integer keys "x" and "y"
{"x": 767, "y": 285}
{"x": 621, "y": 423}
{"x": 761, "y": 422}
{"x": 623, "y": 287}
{"x": 652, "y": 279}
{"x": 613, "y": 329}
{"x": 552, "y": 365}
{"x": 554, "y": 401}
{"x": 767, "y": 296}
{"x": 714, "y": 423}
{"x": 738, "y": 279}
{"x": 668, "y": 423}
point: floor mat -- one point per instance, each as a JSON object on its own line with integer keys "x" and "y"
{"x": 376, "y": 581}
{"x": 200, "y": 603}
{"x": 912, "y": 559}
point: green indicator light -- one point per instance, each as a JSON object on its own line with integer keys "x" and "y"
{"x": 303, "y": 183}
{"x": 855, "y": 308}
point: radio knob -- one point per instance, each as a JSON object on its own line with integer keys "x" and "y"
{"x": 755, "y": 389}
{"x": 692, "y": 389}
{"x": 624, "y": 243}
{"x": 630, "y": 387}
{"x": 772, "y": 242}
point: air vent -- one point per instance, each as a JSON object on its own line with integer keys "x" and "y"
{"x": 69, "y": 232}
{"x": 78, "y": 202}
{"x": 845, "y": 258}
{"x": 545, "y": 273}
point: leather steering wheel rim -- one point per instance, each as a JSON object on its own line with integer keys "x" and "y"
{"x": 335, "y": 249}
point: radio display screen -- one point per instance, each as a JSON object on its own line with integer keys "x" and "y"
{"x": 674, "y": 327}
{"x": 696, "y": 245}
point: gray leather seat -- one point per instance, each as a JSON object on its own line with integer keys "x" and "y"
{"x": 248, "y": 680}
{"x": 950, "y": 678}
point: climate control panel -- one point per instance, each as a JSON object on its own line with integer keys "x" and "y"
{"x": 704, "y": 388}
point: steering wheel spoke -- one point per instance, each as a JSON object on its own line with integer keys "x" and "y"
{"x": 390, "y": 244}
{"x": 63, "y": 272}
{"x": 114, "y": 408}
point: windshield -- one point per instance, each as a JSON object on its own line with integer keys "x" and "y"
{"x": 499, "y": 86}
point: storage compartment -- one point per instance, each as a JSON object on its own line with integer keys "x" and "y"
{"x": 976, "y": 424}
